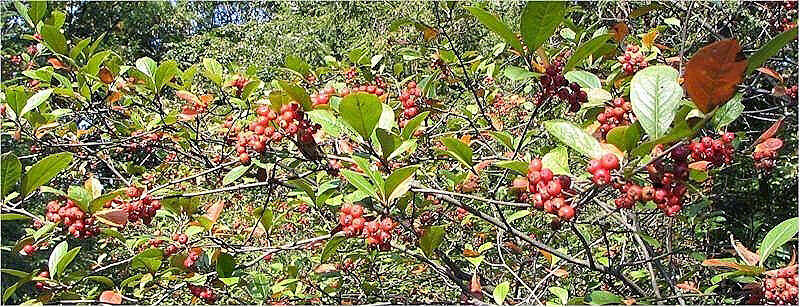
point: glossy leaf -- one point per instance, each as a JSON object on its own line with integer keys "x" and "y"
{"x": 539, "y": 21}
{"x": 575, "y": 137}
{"x": 655, "y": 98}
{"x": 458, "y": 150}
{"x": 770, "y": 49}
{"x": 149, "y": 259}
{"x": 585, "y": 49}
{"x": 44, "y": 170}
{"x": 728, "y": 112}
{"x": 361, "y": 111}
{"x": 777, "y": 237}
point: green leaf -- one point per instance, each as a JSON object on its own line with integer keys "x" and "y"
{"x": 330, "y": 124}
{"x": 539, "y": 21}
{"x": 388, "y": 141}
{"x": 604, "y": 298}
{"x": 93, "y": 65}
{"x": 561, "y": 293}
{"x": 431, "y": 239}
{"x": 413, "y": 124}
{"x": 54, "y": 39}
{"x": 518, "y": 73}
{"x": 37, "y": 11}
{"x": 10, "y": 290}
{"x": 149, "y": 259}
{"x": 584, "y": 78}
{"x": 624, "y": 137}
{"x": 501, "y": 291}
{"x": 585, "y": 50}
{"x": 234, "y": 174}
{"x": 147, "y": 66}
{"x": 13, "y": 217}
{"x": 518, "y": 215}
{"x": 55, "y": 257}
{"x": 399, "y": 182}
{"x": 15, "y": 273}
{"x": 458, "y": 150}
{"x": 250, "y": 87}
{"x": 23, "y": 11}
{"x": 305, "y": 186}
{"x": 297, "y": 93}
{"x": 557, "y": 160}
{"x": 225, "y": 265}
{"x": 358, "y": 181}
{"x": 777, "y": 237}
{"x": 164, "y": 74}
{"x": 298, "y": 65}
{"x": 76, "y": 50}
{"x": 655, "y": 98}
{"x": 102, "y": 279}
{"x": 517, "y": 166}
{"x": 575, "y": 137}
{"x": 10, "y": 171}
{"x": 80, "y": 196}
{"x": 44, "y": 170}
{"x": 770, "y": 49}
{"x": 497, "y": 26}
{"x": 361, "y": 111}
{"x": 212, "y": 70}
{"x": 36, "y": 100}
{"x": 504, "y": 138}
{"x": 728, "y": 112}
{"x": 266, "y": 218}
{"x": 67, "y": 259}
{"x": 98, "y": 203}
{"x": 330, "y": 247}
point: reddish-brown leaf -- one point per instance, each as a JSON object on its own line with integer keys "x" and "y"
{"x": 215, "y": 210}
{"x": 629, "y": 301}
{"x": 470, "y": 253}
{"x": 560, "y": 273}
{"x": 770, "y": 144}
{"x": 114, "y": 97}
{"x": 713, "y": 72}
{"x": 189, "y": 97}
{"x": 700, "y": 165}
{"x": 475, "y": 286}
{"x": 748, "y": 256}
{"x": 770, "y": 132}
{"x": 110, "y": 297}
{"x": 620, "y": 31}
{"x": 770, "y": 72}
{"x": 688, "y": 286}
{"x": 112, "y": 216}
{"x": 56, "y": 63}
{"x": 105, "y": 75}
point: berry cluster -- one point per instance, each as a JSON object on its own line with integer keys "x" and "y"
{"x": 350, "y": 217}
{"x": 40, "y": 284}
{"x": 668, "y": 177}
{"x": 144, "y": 208}
{"x": 781, "y": 287}
{"x": 192, "y": 257}
{"x": 601, "y": 168}
{"x": 409, "y": 98}
{"x": 717, "y": 152}
{"x": 204, "y": 293}
{"x": 350, "y": 75}
{"x": 370, "y": 89}
{"x": 632, "y": 61}
{"x": 620, "y": 114}
{"x": 766, "y": 152}
{"x": 291, "y": 120}
{"x": 554, "y": 83}
{"x": 239, "y": 83}
{"x": 545, "y": 191}
{"x": 79, "y": 224}
{"x": 792, "y": 92}
{"x": 322, "y": 97}
{"x": 172, "y": 249}
{"x": 379, "y": 232}
{"x": 380, "y": 83}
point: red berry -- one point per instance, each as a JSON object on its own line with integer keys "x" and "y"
{"x": 609, "y": 161}
{"x": 566, "y": 212}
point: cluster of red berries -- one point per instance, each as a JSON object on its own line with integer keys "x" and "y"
{"x": 192, "y": 257}
{"x": 668, "y": 179}
{"x": 32, "y": 50}
{"x": 239, "y": 83}
{"x": 632, "y": 193}
{"x": 79, "y": 224}
{"x": 554, "y": 83}
{"x": 40, "y": 284}
{"x": 717, "y": 151}
{"x": 144, "y": 208}
{"x": 350, "y": 217}
{"x": 380, "y": 82}
{"x": 350, "y": 75}
{"x": 781, "y": 287}
{"x": 410, "y": 98}
{"x": 619, "y": 115}
{"x": 601, "y": 168}
{"x": 633, "y": 60}
{"x": 792, "y": 92}
{"x": 204, "y": 293}
{"x": 369, "y": 89}
{"x": 172, "y": 249}
{"x": 766, "y": 152}
{"x": 291, "y": 120}
{"x": 544, "y": 190}
{"x": 377, "y": 232}
{"x": 322, "y": 97}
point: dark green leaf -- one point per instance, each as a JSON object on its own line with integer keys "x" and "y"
{"x": 54, "y": 39}
{"x": 358, "y": 181}
{"x": 728, "y": 112}
{"x": 44, "y": 170}
{"x": 330, "y": 247}
{"x": 539, "y": 21}
{"x": 769, "y": 49}
{"x": 497, "y": 26}
{"x": 234, "y": 174}
{"x": 225, "y": 265}
{"x": 297, "y": 93}
{"x": 585, "y": 50}
{"x": 604, "y": 298}
{"x": 458, "y": 150}
{"x": 10, "y": 171}
{"x": 431, "y": 239}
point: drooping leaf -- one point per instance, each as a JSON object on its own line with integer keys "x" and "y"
{"x": 10, "y": 171}
{"x": 399, "y": 182}
{"x": 234, "y": 174}
{"x": 770, "y": 132}
{"x": 539, "y": 21}
{"x": 330, "y": 247}
{"x": 112, "y": 216}
{"x": 777, "y": 237}
{"x": 713, "y": 73}
{"x": 574, "y": 137}
{"x": 431, "y": 239}
{"x": 655, "y": 98}
{"x": 497, "y": 26}
{"x": 44, "y": 170}
{"x": 110, "y": 297}
{"x": 361, "y": 111}
{"x": 458, "y": 150}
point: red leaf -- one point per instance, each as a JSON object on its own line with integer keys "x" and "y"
{"x": 770, "y": 144}
{"x": 475, "y": 286}
{"x": 56, "y": 63}
{"x": 110, "y": 297}
{"x": 770, "y": 72}
{"x": 113, "y": 217}
{"x": 713, "y": 73}
{"x": 770, "y": 132}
